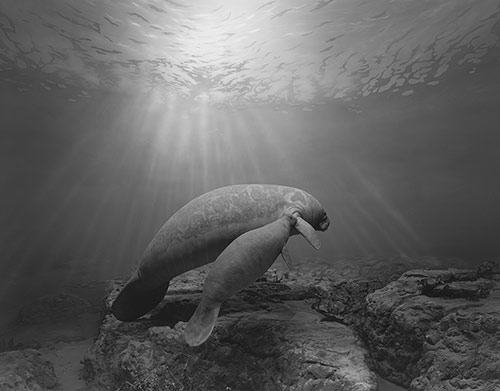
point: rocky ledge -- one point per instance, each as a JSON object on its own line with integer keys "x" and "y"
{"x": 266, "y": 338}
{"x": 437, "y": 329}
{"x": 426, "y": 330}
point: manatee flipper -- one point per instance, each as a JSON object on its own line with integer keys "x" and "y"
{"x": 307, "y": 231}
{"x": 286, "y": 257}
{"x": 136, "y": 300}
{"x": 201, "y": 324}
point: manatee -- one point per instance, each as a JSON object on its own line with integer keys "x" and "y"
{"x": 198, "y": 232}
{"x": 240, "y": 264}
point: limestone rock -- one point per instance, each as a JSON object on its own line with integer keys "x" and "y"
{"x": 26, "y": 370}
{"x": 266, "y": 338}
{"x": 437, "y": 329}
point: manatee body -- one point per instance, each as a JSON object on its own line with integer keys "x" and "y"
{"x": 241, "y": 263}
{"x": 198, "y": 232}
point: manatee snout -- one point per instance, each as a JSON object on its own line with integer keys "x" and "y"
{"x": 324, "y": 223}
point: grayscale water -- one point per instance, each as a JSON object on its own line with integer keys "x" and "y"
{"x": 115, "y": 114}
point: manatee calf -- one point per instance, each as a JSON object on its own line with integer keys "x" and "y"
{"x": 198, "y": 232}
{"x": 240, "y": 264}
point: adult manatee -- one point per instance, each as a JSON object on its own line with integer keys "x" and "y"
{"x": 198, "y": 232}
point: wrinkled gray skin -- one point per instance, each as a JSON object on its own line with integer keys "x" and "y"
{"x": 198, "y": 232}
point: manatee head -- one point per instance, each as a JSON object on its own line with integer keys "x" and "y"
{"x": 315, "y": 215}
{"x": 310, "y": 209}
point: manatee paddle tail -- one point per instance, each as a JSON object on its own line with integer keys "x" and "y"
{"x": 202, "y": 323}
{"x": 136, "y": 300}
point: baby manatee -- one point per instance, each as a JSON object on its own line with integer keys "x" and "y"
{"x": 239, "y": 265}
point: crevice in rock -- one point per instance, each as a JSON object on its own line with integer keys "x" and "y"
{"x": 470, "y": 290}
{"x": 173, "y": 312}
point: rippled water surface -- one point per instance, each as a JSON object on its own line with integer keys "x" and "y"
{"x": 238, "y": 52}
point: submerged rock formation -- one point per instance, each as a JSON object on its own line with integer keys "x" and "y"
{"x": 266, "y": 338}
{"x": 437, "y": 329}
{"x": 323, "y": 328}
{"x": 26, "y": 370}
{"x": 427, "y": 330}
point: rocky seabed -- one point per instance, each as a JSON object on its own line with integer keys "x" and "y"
{"x": 316, "y": 329}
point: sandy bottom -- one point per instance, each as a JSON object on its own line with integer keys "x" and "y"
{"x": 67, "y": 358}
{"x": 64, "y": 344}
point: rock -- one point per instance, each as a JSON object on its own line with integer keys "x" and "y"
{"x": 427, "y": 329}
{"x": 437, "y": 329}
{"x": 266, "y": 338}
{"x": 26, "y": 370}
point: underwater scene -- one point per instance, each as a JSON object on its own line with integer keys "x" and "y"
{"x": 250, "y": 195}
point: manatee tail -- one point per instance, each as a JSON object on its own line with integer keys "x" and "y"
{"x": 136, "y": 299}
{"x": 201, "y": 324}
